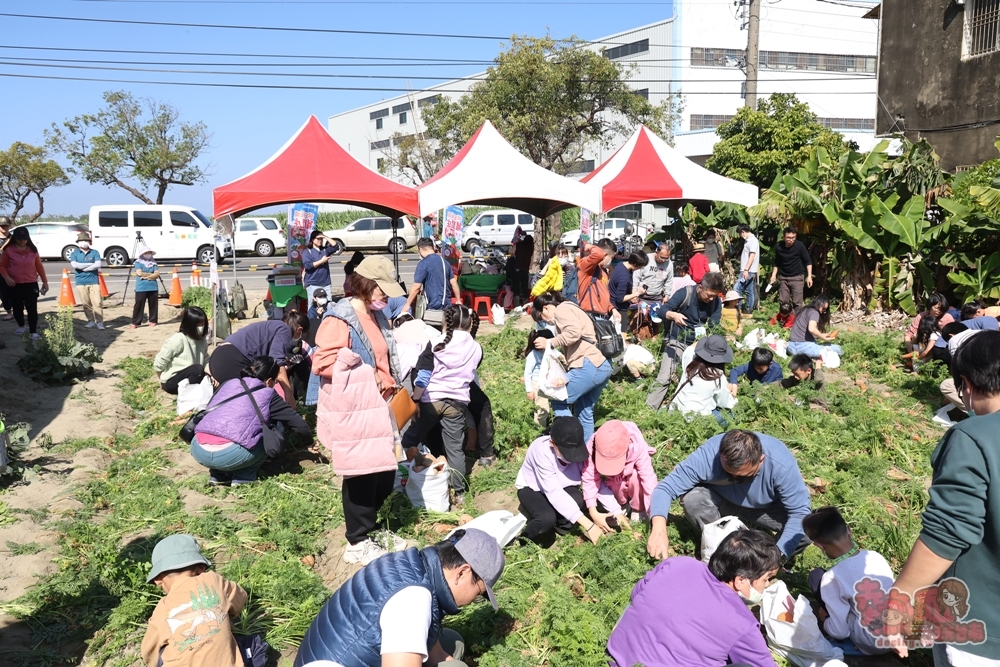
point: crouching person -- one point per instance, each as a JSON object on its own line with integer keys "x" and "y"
{"x": 390, "y": 612}
{"x": 619, "y": 458}
{"x": 715, "y": 626}
{"x": 192, "y": 623}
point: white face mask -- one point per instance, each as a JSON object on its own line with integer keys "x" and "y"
{"x": 202, "y": 331}
{"x": 754, "y": 597}
{"x": 85, "y": 245}
{"x": 563, "y": 261}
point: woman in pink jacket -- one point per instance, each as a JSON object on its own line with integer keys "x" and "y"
{"x": 619, "y": 454}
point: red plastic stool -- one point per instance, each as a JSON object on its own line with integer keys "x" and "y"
{"x": 486, "y": 302}
{"x": 467, "y": 297}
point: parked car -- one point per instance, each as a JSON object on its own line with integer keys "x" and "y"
{"x": 174, "y": 232}
{"x": 609, "y": 228}
{"x": 375, "y": 233}
{"x": 262, "y": 236}
{"x": 495, "y": 228}
{"x": 55, "y": 240}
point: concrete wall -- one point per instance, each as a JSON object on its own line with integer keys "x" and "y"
{"x": 927, "y": 86}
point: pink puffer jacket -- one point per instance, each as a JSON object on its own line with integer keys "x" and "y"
{"x": 353, "y": 420}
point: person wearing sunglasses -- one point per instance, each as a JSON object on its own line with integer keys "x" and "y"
{"x": 390, "y": 612}
{"x": 739, "y": 473}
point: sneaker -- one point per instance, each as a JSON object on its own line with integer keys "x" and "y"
{"x": 398, "y": 543}
{"x": 219, "y": 480}
{"x": 487, "y": 461}
{"x": 8, "y": 317}
{"x": 100, "y": 326}
{"x": 35, "y": 336}
{"x": 18, "y": 331}
{"x": 243, "y": 482}
{"x": 363, "y": 552}
{"x": 91, "y": 324}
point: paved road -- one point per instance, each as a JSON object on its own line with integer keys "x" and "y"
{"x": 251, "y": 271}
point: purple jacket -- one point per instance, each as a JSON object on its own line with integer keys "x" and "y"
{"x": 237, "y": 421}
{"x": 681, "y": 615}
{"x": 454, "y": 368}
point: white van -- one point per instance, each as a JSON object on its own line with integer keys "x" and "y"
{"x": 495, "y": 228}
{"x": 174, "y": 232}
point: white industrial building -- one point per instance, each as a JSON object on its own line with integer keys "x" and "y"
{"x": 824, "y": 51}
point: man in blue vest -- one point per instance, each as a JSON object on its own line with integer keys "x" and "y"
{"x": 389, "y": 613}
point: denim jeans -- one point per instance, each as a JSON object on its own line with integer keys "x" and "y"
{"x": 584, "y": 388}
{"x": 234, "y": 461}
{"x": 748, "y": 290}
{"x": 812, "y": 350}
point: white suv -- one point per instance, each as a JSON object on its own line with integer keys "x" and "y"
{"x": 55, "y": 240}
{"x": 375, "y": 233}
{"x": 262, "y": 236}
{"x": 609, "y": 228}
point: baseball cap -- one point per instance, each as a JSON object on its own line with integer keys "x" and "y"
{"x": 380, "y": 270}
{"x": 82, "y": 236}
{"x": 567, "y": 436}
{"x": 611, "y": 443}
{"x": 174, "y": 553}
{"x": 484, "y": 555}
{"x": 20, "y": 234}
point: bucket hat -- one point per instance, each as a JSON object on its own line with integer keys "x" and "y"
{"x": 714, "y": 349}
{"x": 175, "y": 553}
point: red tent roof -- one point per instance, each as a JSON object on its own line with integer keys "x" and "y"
{"x": 647, "y": 169}
{"x": 312, "y": 167}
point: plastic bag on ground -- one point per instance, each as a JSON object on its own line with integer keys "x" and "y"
{"x": 552, "y": 376}
{"x": 830, "y": 359}
{"x": 781, "y": 348}
{"x": 428, "y": 488}
{"x": 501, "y": 525}
{"x": 752, "y": 339}
{"x": 498, "y": 315}
{"x": 798, "y": 640}
{"x": 714, "y": 533}
{"x": 193, "y": 396}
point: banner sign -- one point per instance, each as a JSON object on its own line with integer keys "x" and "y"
{"x": 451, "y": 236}
{"x": 301, "y": 222}
{"x": 585, "y": 224}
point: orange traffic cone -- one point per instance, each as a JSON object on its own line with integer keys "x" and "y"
{"x": 195, "y": 274}
{"x": 66, "y": 296}
{"x": 175, "y": 290}
{"x": 104, "y": 286}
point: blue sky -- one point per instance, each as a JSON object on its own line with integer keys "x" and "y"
{"x": 248, "y": 125}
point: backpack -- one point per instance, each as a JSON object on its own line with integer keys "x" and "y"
{"x": 609, "y": 338}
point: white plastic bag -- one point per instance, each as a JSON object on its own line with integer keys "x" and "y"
{"x": 498, "y": 315}
{"x": 781, "y": 348}
{"x": 501, "y": 525}
{"x": 830, "y": 358}
{"x": 552, "y": 376}
{"x": 429, "y": 487}
{"x": 800, "y": 640}
{"x": 714, "y": 533}
{"x": 752, "y": 339}
{"x": 193, "y": 396}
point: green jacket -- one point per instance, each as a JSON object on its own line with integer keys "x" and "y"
{"x": 962, "y": 519}
{"x": 179, "y": 352}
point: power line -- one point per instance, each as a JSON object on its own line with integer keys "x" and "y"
{"x": 367, "y": 2}
{"x": 208, "y": 84}
{"x": 8, "y": 61}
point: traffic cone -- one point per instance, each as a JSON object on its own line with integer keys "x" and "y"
{"x": 195, "y": 274}
{"x": 175, "y": 290}
{"x": 66, "y": 296}
{"x": 104, "y": 286}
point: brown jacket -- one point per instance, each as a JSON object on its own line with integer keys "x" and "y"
{"x": 593, "y": 294}
{"x": 573, "y": 327}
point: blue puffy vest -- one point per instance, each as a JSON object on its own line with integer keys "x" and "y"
{"x": 347, "y": 628}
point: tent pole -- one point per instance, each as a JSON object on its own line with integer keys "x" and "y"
{"x": 395, "y": 253}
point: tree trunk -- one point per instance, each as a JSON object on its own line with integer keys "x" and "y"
{"x": 161, "y": 191}
{"x": 41, "y": 208}
{"x": 135, "y": 193}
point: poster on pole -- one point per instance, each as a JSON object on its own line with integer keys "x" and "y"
{"x": 451, "y": 237}
{"x": 301, "y": 222}
{"x": 585, "y": 225}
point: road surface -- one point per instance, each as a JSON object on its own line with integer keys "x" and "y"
{"x": 251, "y": 271}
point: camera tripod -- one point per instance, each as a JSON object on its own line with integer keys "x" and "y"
{"x": 128, "y": 277}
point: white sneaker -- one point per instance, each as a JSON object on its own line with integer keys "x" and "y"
{"x": 18, "y": 331}
{"x": 35, "y": 336}
{"x": 363, "y": 552}
{"x": 100, "y": 326}
{"x": 384, "y": 537}
{"x": 91, "y": 324}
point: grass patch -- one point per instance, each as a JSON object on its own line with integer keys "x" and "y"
{"x": 861, "y": 450}
{"x": 24, "y": 548}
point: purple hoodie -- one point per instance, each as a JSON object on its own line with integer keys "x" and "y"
{"x": 454, "y": 368}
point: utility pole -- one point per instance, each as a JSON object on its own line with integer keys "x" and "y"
{"x": 753, "y": 52}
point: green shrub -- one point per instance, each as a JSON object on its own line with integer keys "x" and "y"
{"x": 198, "y": 296}
{"x": 57, "y": 356}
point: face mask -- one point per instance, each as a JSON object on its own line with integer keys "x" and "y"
{"x": 563, "y": 261}
{"x": 85, "y": 245}
{"x": 755, "y": 596}
{"x": 377, "y": 305}
{"x": 321, "y": 303}
{"x": 968, "y": 406}
{"x": 202, "y": 331}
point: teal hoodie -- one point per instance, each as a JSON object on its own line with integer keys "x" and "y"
{"x": 962, "y": 520}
